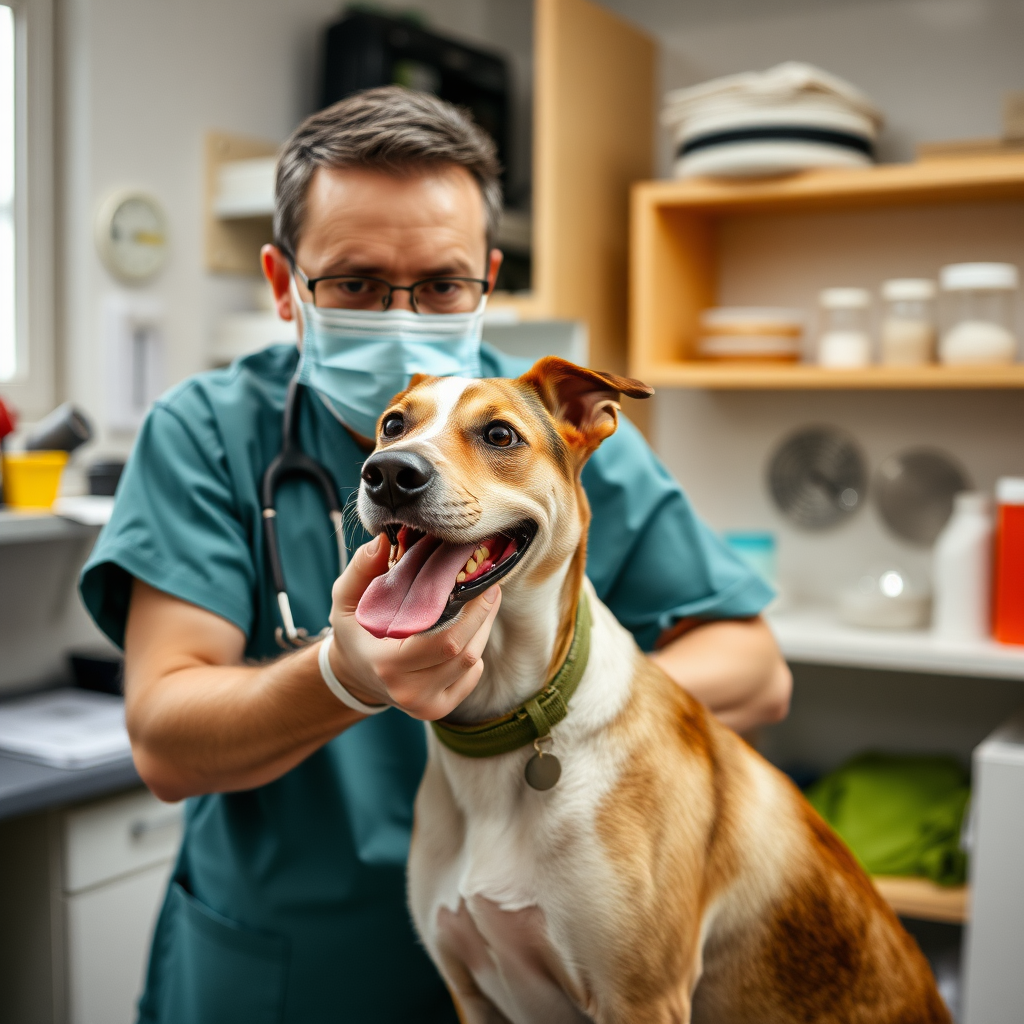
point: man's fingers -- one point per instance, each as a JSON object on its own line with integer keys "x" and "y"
{"x": 424, "y": 652}
{"x": 448, "y": 674}
{"x": 366, "y": 563}
{"x": 449, "y": 698}
{"x": 440, "y": 678}
{"x": 462, "y": 687}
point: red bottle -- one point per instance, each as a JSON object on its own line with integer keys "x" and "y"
{"x": 1009, "y": 562}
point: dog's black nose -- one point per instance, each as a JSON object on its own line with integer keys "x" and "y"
{"x": 395, "y": 478}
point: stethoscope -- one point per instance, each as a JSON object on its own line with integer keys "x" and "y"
{"x": 292, "y": 462}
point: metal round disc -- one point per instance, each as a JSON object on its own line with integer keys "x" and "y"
{"x": 543, "y": 771}
{"x": 914, "y": 493}
{"x": 817, "y": 477}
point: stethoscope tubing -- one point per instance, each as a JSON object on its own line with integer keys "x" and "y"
{"x": 292, "y": 462}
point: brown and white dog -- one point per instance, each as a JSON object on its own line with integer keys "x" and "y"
{"x": 672, "y": 874}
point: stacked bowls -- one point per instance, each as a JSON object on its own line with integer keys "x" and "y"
{"x": 789, "y": 118}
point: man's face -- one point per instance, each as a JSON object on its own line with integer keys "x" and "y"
{"x": 402, "y": 228}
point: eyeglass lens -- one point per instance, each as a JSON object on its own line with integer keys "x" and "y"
{"x": 441, "y": 295}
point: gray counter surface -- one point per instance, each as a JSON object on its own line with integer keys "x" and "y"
{"x": 26, "y": 786}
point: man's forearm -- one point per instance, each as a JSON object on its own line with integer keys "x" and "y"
{"x": 220, "y": 728}
{"x": 200, "y": 721}
{"x": 735, "y": 668}
{"x": 217, "y": 728}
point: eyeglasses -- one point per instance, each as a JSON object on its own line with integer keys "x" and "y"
{"x": 431, "y": 295}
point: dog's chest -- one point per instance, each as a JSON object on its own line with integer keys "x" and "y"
{"x": 510, "y": 958}
{"x": 510, "y": 896}
{"x": 511, "y": 888}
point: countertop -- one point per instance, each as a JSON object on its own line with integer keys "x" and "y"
{"x": 816, "y": 635}
{"x": 26, "y": 786}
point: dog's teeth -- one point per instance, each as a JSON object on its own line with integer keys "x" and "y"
{"x": 461, "y": 578}
{"x": 471, "y": 566}
{"x": 480, "y": 554}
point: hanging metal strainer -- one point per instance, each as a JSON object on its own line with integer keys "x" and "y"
{"x": 817, "y": 477}
{"x": 914, "y": 492}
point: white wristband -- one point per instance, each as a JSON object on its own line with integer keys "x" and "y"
{"x": 324, "y": 659}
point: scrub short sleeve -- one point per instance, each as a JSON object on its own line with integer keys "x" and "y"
{"x": 649, "y": 556}
{"x": 176, "y": 523}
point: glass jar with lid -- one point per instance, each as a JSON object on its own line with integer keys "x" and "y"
{"x": 908, "y": 322}
{"x": 844, "y": 341}
{"x": 978, "y": 301}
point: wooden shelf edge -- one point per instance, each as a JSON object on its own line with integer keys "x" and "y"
{"x": 524, "y": 305}
{"x": 956, "y": 179}
{"x": 769, "y": 376}
{"x": 233, "y": 243}
{"x": 921, "y": 898}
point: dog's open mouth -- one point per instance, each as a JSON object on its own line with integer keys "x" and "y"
{"x": 430, "y": 579}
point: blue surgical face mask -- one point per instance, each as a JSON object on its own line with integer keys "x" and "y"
{"x": 357, "y": 360}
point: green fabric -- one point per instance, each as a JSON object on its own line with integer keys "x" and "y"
{"x": 315, "y": 862}
{"x": 535, "y": 717}
{"x": 899, "y": 814}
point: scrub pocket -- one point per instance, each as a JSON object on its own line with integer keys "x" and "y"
{"x": 211, "y": 970}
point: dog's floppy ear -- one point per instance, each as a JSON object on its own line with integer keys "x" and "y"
{"x": 587, "y": 401}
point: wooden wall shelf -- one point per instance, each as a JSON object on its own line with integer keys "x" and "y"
{"x": 674, "y": 232}
{"x": 922, "y": 899}
{"x": 801, "y": 376}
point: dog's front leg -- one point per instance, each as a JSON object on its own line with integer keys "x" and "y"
{"x": 671, "y": 1009}
{"x": 644, "y": 993}
{"x": 472, "y": 1005}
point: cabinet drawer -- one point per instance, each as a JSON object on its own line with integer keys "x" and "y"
{"x": 113, "y": 837}
{"x": 109, "y": 929}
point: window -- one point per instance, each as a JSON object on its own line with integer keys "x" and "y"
{"x": 8, "y": 321}
{"x": 27, "y": 298}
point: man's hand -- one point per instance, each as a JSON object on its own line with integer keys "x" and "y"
{"x": 427, "y": 676}
{"x": 201, "y": 721}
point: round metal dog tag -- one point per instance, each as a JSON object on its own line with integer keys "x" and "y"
{"x": 543, "y": 770}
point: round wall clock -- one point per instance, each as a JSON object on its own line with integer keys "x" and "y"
{"x": 131, "y": 235}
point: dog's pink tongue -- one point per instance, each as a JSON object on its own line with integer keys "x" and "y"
{"x": 411, "y": 597}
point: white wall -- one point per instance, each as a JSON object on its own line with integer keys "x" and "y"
{"x": 939, "y": 69}
{"x": 142, "y": 81}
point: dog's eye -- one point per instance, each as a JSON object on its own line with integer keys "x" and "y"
{"x": 501, "y": 435}
{"x": 393, "y": 425}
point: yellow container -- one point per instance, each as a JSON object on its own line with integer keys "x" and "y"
{"x": 31, "y": 479}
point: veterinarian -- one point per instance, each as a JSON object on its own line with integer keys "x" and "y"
{"x": 288, "y": 899}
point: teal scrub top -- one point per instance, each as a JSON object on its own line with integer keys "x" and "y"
{"x": 287, "y": 903}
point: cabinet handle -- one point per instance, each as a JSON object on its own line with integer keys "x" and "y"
{"x": 144, "y": 827}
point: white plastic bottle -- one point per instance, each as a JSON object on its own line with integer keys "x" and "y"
{"x": 962, "y": 571}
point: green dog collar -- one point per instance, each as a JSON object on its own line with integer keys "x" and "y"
{"x": 533, "y": 719}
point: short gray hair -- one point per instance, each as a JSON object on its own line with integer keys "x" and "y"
{"x": 392, "y": 129}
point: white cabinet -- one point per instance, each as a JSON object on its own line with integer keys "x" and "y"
{"x": 117, "y": 856}
{"x": 108, "y": 933}
{"x": 80, "y": 890}
{"x": 995, "y": 939}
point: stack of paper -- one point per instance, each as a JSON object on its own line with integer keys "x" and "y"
{"x": 65, "y": 728}
{"x": 90, "y": 509}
